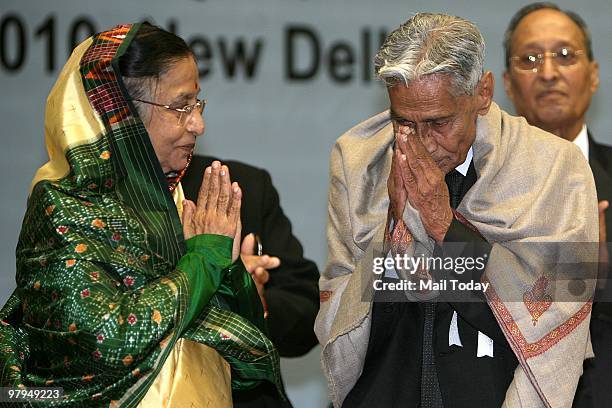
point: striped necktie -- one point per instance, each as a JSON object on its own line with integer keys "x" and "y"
{"x": 431, "y": 397}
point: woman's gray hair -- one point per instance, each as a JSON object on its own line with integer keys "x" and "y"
{"x": 151, "y": 54}
{"x": 430, "y": 44}
{"x": 144, "y": 89}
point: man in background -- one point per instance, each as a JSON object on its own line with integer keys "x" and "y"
{"x": 551, "y": 76}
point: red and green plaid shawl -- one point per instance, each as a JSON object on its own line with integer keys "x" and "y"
{"x": 106, "y": 283}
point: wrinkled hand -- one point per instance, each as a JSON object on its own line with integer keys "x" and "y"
{"x": 604, "y": 256}
{"x": 257, "y": 266}
{"x": 395, "y": 186}
{"x": 218, "y": 208}
{"x": 424, "y": 183}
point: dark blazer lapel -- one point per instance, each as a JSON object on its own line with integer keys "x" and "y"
{"x": 600, "y": 160}
{"x": 603, "y": 182}
{"x": 601, "y": 172}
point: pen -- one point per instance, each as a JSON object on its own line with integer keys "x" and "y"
{"x": 260, "y": 253}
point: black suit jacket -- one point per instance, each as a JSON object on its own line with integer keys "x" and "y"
{"x": 595, "y": 386}
{"x": 600, "y": 160}
{"x": 292, "y": 292}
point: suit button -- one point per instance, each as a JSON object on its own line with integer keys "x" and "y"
{"x": 388, "y": 308}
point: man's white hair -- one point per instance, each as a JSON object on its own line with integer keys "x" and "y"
{"x": 433, "y": 44}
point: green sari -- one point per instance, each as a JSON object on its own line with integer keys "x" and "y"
{"x": 106, "y": 283}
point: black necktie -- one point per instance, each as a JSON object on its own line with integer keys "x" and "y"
{"x": 454, "y": 181}
{"x": 431, "y": 397}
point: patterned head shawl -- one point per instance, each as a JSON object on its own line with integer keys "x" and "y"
{"x": 102, "y": 294}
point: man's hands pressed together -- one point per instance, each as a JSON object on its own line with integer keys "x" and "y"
{"x": 415, "y": 176}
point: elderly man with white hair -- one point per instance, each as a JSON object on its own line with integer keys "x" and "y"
{"x": 460, "y": 238}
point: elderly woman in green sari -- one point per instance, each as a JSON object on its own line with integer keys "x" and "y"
{"x": 126, "y": 293}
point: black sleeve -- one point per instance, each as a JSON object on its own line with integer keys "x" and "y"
{"x": 461, "y": 242}
{"x": 292, "y": 292}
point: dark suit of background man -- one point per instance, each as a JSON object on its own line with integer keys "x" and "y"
{"x": 550, "y": 77}
{"x": 291, "y": 293}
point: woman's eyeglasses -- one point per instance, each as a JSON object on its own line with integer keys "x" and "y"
{"x": 185, "y": 113}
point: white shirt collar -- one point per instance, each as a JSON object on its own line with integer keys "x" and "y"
{"x": 463, "y": 167}
{"x": 582, "y": 141}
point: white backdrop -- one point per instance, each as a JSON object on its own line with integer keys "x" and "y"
{"x": 283, "y": 80}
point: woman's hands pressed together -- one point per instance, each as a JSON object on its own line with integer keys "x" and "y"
{"x": 218, "y": 208}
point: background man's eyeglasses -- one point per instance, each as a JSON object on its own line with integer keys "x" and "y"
{"x": 564, "y": 57}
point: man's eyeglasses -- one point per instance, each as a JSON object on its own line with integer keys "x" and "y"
{"x": 563, "y": 57}
{"x": 185, "y": 113}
